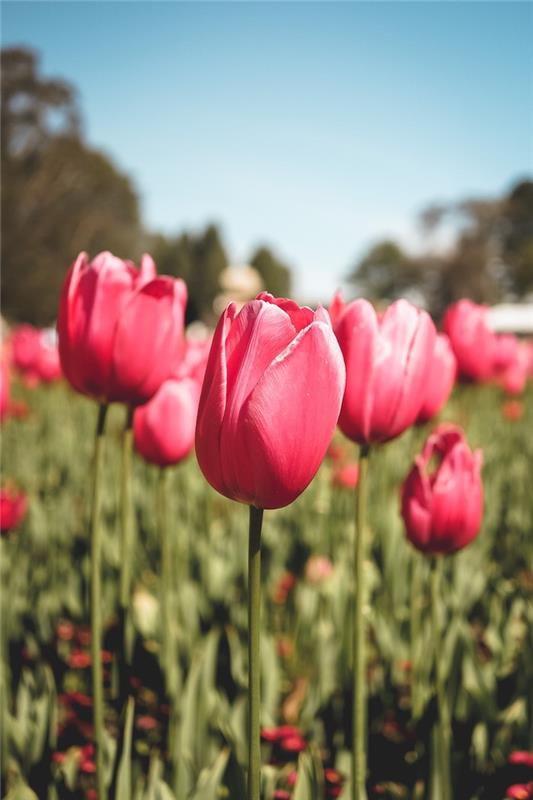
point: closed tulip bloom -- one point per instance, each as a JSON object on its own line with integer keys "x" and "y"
{"x": 120, "y": 329}
{"x": 472, "y": 340}
{"x": 514, "y": 376}
{"x": 163, "y": 428}
{"x": 440, "y": 379}
{"x": 505, "y": 350}
{"x": 442, "y": 507}
{"x": 387, "y": 361}
{"x": 270, "y": 401}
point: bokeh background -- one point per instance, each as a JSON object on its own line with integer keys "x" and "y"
{"x": 383, "y": 147}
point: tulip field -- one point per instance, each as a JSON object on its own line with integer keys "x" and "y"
{"x": 287, "y": 558}
{"x": 175, "y": 717}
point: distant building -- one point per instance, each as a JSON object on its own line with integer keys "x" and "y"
{"x": 239, "y": 284}
{"x": 512, "y": 318}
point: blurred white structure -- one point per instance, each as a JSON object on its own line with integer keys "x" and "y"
{"x": 239, "y": 284}
{"x": 512, "y": 318}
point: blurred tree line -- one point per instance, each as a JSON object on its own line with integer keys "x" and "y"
{"x": 490, "y": 257}
{"x": 60, "y": 197}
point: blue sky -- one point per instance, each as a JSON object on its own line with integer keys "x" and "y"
{"x": 314, "y": 127}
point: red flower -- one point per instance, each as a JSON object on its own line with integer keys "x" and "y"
{"x": 522, "y": 757}
{"x": 472, "y": 340}
{"x": 442, "y": 509}
{"x": 520, "y": 791}
{"x": 79, "y": 659}
{"x": 387, "y": 360}
{"x": 284, "y": 587}
{"x": 13, "y": 505}
{"x": 270, "y": 401}
{"x": 347, "y": 476}
{"x": 513, "y": 410}
{"x": 120, "y": 329}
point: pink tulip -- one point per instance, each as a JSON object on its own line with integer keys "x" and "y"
{"x": 514, "y": 377}
{"x": 194, "y": 362}
{"x": 13, "y": 505}
{"x": 4, "y": 387}
{"x": 440, "y": 379}
{"x": 120, "y": 329}
{"x": 387, "y": 361}
{"x": 505, "y": 349}
{"x": 164, "y": 427}
{"x": 442, "y": 507}
{"x": 270, "y": 401}
{"x": 472, "y": 340}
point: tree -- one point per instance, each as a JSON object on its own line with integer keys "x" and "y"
{"x": 387, "y": 272}
{"x": 275, "y": 274}
{"x": 59, "y": 196}
{"x": 199, "y": 260}
{"x": 489, "y": 260}
{"x": 517, "y": 217}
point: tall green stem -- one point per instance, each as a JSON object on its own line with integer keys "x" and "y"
{"x": 359, "y": 738}
{"x": 96, "y": 600}
{"x": 442, "y": 732}
{"x": 254, "y": 676}
{"x": 415, "y": 633}
{"x": 166, "y": 561}
{"x": 126, "y": 516}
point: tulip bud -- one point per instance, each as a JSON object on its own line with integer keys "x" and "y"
{"x": 270, "y": 401}
{"x": 163, "y": 428}
{"x": 440, "y": 379}
{"x": 387, "y": 360}
{"x": 471, "y": 338}
{"x": 442, "y": 507}
{"x": 120, "y": 329}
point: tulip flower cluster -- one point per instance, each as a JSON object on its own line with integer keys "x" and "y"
{"x": 34, "y": 354}
{"x": 261, "y": 403}
{"x": 481, "y": 354}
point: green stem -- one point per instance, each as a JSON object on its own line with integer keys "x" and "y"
{"x": 254, "y": 677}
{"x": 415, "y": 634}
{"x": 359, "y": 743}
{"x": 96, "y": 599}
{"x": 166, "y": 562}
{"x": 443, "y": 729}
{"x": 126, "y": 508}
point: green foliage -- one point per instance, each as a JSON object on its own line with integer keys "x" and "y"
{"x": 276, "y": 275}
{"x": 200, "y": 752}
{"x": 491, "y": 258}
{"x": 59, "y": 196}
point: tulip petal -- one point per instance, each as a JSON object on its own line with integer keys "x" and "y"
{"x": 164, "y": 427}
{"x": 213, "y": 404}
{"x": 357, "y": 333}
{"x": 260, "y": 332}
{"x": 300, "y": 316}
{"x": 103, "y": 289}
{"x": 148, "y": 340}
{"x": 406, "y": 341}
{"x": 283, "y": 444}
